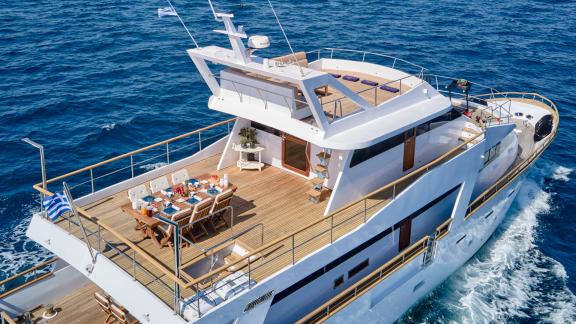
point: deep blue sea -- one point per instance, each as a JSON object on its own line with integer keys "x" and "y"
{"x": 94, "y": 79}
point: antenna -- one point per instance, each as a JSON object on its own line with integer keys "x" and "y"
{"x": 285, "y": 37}
{"x": 183, "y": 24}
{"x": 213, "y": 11}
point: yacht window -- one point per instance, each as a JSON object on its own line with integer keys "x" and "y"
{"x": 338, "y": 281}
{"x": 367, "y": 153}
{"x": 491, "y": 154}
{"x": 358, "y": 268}
{"x": 265, "y": 128}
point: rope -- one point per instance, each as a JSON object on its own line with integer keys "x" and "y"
{"x": 183, "y": 24}
{"x": 286, "y": 37}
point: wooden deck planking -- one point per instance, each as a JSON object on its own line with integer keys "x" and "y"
{"x": 76, "y": 307}
{"x": 349, "y": 106}
{"x": 273, "y": 197}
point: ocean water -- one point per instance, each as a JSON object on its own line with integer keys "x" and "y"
{"x": 91, "y": 80}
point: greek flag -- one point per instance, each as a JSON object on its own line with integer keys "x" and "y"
{"x": 166, "y": 11}
{"x": 56, "y": 204}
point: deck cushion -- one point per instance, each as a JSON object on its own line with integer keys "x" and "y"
{"x": 336, "y": 75}
{"x": 370, "y": 83}
{"x": 351, "y": 78}
{"x": 389, "y": 88}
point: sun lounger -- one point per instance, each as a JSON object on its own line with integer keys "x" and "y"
{"x": 351, "y": 78}
{"x": 388, "y": 88}
{"x": 369, "y": 82}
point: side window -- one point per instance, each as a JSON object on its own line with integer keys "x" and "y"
{"x": 358, "y": 268}
{"x": 338, "y": 281}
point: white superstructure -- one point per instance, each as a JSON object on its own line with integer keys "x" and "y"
{"x": 370, "y": 186}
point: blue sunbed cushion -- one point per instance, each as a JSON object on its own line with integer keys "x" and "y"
{"x": 213, "y": 191}
{"x": 148, "y": 199}
{"x": 370, "y": 83}
{"x": 389, "y": 88}
{"x": 336, "y": 75}
{"x": 351, "y": 78}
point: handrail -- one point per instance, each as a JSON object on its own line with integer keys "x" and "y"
{"x": 124, "y": 240}
{"x": 125, "y": 155}
{"x": 328, "y": 217}
{"x": 485, "y": 196}
{"x": 364, "y": 53}
{"x": 6, "y": 318}
{"x": 23, "y": 273}
{"x": 360, "y": 287}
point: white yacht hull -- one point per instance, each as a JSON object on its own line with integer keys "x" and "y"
{"x": 389, "y": 300}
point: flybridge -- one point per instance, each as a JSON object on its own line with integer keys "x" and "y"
{"x": 328, "y": 101}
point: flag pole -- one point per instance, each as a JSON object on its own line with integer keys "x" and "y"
{"x": 75, "y": 212}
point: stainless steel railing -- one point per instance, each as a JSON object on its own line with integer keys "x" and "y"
{"x": 366, "y": 55}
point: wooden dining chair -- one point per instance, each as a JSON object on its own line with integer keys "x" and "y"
{"x": 104, "y": 303}
{"x": 180, "y": 176}
{"x": 221, "y": 202}
{"x": 121, "y": 315}
{"x": 167, "y": 230}
{"x": 138, "y": 192}
{"x": 159, "y": 184}
{"x": 200, "y": 211}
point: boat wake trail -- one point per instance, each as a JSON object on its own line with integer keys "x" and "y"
{"x": 17, "y": 251}
{"x": 509, "y": 279}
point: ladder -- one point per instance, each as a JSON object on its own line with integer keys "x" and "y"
{"x": 319, "y": 191}
{"x": 430, "y": 249}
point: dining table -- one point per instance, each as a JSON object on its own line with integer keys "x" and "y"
{"x": 170, "y": 201}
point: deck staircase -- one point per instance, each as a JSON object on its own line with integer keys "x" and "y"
{"x": 319, "y": 191}
{"x": 468, "y": 132}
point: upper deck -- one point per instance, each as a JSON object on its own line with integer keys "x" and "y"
{"x": 334, "y": 98}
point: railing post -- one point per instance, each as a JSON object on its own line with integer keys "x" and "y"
{"x": 228, "y": 127}
{"x": 134, "y": 265}
{"x": 293, "y": 251}
{"x": 365, "y": 210}
{"x": 331, "y": 228}
{"x": 363, "y": 56}
{"x": 168, "y": 153}
{"x": 200, "y": 141}
{"x": 394, "y": 192}
{"x": 99, "y": 239}
{"x": 92, "y": 180}
{"x": 132, "y": 165}
{"x": 331, "y": 53}
{"x": 249, "y": 273}
{"x": 394, "y": 63}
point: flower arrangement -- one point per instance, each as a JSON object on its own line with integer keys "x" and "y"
{"x": 248, "y": 137}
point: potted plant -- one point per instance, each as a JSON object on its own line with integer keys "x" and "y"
{"x": 248, "y": 137}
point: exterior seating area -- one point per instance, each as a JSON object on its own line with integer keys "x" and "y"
{"x": 273, "y": 202}
{"x": 191, "y": 203}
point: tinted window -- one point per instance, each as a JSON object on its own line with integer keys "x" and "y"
{"x": 265, "y": 128}
{"x": 367, "y": 153}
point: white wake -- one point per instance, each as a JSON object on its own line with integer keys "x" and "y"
{"x": 510, "y": 278}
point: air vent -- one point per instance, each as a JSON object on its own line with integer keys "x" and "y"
{"x": 258, "y": 301}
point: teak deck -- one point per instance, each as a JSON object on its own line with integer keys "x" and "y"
{"x": 273, "y": 197}
{"x": 76, "y": 307}
{"x": 368, "y": 93}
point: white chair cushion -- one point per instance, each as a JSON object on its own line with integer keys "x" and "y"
{"x": 138, "y": 192}
{"x": 180, "y": 176}
{"x": 159, "y": 184}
